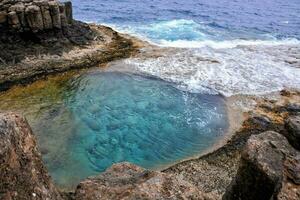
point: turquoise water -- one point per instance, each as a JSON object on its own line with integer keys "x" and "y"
{"x": 240, "y": 37}
{"x": 148, "y": 122}
{"x": 86, "y": 123}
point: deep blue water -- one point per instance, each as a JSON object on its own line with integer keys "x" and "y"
{"x": 198, "y": 19}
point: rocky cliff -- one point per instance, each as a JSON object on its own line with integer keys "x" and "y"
{"x": 40, "y": 37}
{"x": 34, "y": 16}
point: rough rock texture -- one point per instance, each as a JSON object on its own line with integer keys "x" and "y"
{"x": 128, "y": 181}
{"x": 293, "y": 133}
{"x": 22, "y": 172}
{"x": 40, "y": 37}
{"x": 34, "y": 15}
{"x": 213, "y": 172}
{"x": 269, "y": 169}
{"x": 262, "y": 165}
{"x": 37, "y": 60}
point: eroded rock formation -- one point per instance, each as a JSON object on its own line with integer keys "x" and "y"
{"x": 269, "y": 169}
{"x": 22, "y": 172}
{"x": 34, "y": 15}
{"x": 128, "y": 181}
{"x": 293, "y": 133}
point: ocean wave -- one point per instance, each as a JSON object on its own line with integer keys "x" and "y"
{"x": 203, "y": 64}
{"x": 226, "y": 44}
{"x": 182, "y": 33}
{"x": 254, "y": 69}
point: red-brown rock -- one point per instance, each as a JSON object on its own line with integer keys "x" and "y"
{"x": 22, "y": 172}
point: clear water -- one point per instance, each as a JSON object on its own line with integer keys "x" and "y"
{"x": 86, "y": 123}
{"x": 254, "y": 45}
{"x": 174, "y": 110}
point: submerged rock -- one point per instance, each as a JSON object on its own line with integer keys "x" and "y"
{"x": 269, "y": 169}
{"x": 22, "y": 172}
{"x": 128, "y": 181}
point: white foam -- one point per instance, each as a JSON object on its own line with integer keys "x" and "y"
{"x": 257, "y": 68}
{"x": 225, "y": 44}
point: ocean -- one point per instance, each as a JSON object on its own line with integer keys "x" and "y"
{"x": 253, "y": 45}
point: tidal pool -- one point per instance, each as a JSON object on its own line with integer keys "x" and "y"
{"x": 86, "y": 122}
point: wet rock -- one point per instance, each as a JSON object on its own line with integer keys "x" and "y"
{"x": 293, "y": 133}
{"x": 268, "y": 170}
{"x": 22, "y": 173}
{"x": 128, "y": 181}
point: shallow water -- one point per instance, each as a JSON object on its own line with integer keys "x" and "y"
{"x": 173, "y": 109}
{"x": 85, "y": 123}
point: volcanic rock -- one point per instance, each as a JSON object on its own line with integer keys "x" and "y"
{"x": 34, "y": 15}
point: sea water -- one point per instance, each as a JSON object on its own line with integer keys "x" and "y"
{"x": 85, "y": 123}
{"x": 254, "y": 45}
{"x": 173, "y": 106}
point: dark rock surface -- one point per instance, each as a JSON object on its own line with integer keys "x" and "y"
{"x": 128, "y": 181}
{"x": 22, "y": 172}
{"x": 40, "y": 37}
{"x": 293, "y": 131}
{"x": 260, "y": 171}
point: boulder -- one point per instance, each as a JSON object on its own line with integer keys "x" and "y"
{"x": 128, "y": 181}
{"x": 22, "y": 172}
{"x": 269, "y": 168}
{"x": 293, "y": 134}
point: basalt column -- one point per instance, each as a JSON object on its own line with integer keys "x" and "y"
{"x": 34, "y": 16}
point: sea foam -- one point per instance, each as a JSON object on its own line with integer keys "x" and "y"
{"x": 251, "y": 68}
